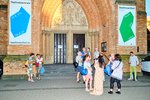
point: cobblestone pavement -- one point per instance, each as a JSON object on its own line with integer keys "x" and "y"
{"x": 58, "y": 83}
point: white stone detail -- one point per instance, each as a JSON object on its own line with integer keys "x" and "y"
{"x": 69, "y": 15}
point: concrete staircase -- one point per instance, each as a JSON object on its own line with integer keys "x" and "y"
{"x": 57, "y": 71}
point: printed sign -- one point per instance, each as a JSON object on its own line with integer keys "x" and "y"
{"x": 60, "y": 46}
{"x": 76, "y": 46}
{"x": 20, "y": 22}
{"x": 127, "y": 25}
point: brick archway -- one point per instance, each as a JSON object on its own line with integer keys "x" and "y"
{"x": 96, "y": 12}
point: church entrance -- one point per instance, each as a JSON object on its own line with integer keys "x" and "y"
{"x": 78, "y": 44}
{"x": 66, "y": 33}
{"x": 59, "y": 48}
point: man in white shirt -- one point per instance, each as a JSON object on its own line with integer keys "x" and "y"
{"x": 134, "y": 62}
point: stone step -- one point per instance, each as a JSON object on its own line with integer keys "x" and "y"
{"x": 59, "y": 71}
{"x": 52, "y": 71}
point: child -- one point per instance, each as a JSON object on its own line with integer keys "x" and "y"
{"x": 88, "y": 77}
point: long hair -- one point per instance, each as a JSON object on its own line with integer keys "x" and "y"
{"x": 85, "y": 57}
{"x": 101, "y": 61}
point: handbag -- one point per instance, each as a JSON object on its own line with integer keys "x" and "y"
{"x": 83, "y": 71}
{"x": 108, "y": 71}
{"x": 42, "y": 71}
{"x": 26, "y": 63}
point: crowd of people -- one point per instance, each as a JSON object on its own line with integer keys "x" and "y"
{"x": 95, "y": 65}
{"x": 95, "y": 70}
{"x": 34, "y": 64}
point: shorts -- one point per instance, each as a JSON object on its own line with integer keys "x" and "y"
{"x": 30, "y": 72}
{"x": 88, "y": 77}
{"x": 78, "y": 69}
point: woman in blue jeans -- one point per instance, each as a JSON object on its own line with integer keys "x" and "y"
{"x": 117, "y": 74}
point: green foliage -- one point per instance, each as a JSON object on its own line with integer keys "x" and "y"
{"x": 9, "y": 58}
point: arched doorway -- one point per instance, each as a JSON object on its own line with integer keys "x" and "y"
{"x": 67, "y": 33}
{"x": 55, "y": 19}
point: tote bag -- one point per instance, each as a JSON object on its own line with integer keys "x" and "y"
{"x": 83, "y": 71}
{"x": 42, "y": 71}
{"x": 107, "y": 70}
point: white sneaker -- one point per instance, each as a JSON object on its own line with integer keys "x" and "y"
{"x": 32, "y": 80}
{"x": 129, "y": 79}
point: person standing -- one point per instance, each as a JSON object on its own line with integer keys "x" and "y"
{"x": 83, "y": 52}
{"x": 83, "y": 56}
{"x": 39, "y": 60}
{"x": 79, "y": 61}
{"x": 88, "y": 52}
{"x": 1, "y": 68}
{"x": 134, "y": 62}
{"x": 88, "y": 77}
{"x": 96, "y": 52}
{"x": 34, "y": 67}
{"x": 31, "y": 61}
{"x": 117, "y": 74}
{"x": 99, "y": 75}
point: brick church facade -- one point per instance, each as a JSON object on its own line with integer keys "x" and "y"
{"x": 59, "y": 28}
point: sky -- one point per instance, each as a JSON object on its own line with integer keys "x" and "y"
{"x": 148, "y": 7}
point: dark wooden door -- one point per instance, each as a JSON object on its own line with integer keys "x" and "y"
{"x": 78, "y": 44}
{"x": 59, "y": 48}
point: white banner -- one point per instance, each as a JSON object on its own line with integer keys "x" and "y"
{"x": 20, "y": 22}
{"x": 126, "y": 25}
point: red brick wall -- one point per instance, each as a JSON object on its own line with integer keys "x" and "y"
{"x": 3, "y": 30}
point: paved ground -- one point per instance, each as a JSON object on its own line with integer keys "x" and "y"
{"x": 59, "y": 84}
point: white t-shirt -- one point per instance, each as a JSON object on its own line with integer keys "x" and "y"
{"x": 39, "y": 61}
{"x": 79, "y": 60}
{"x": 96, "y": 53}
{"x": 133, "y": 60}
{"x": 87, "y": 64}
